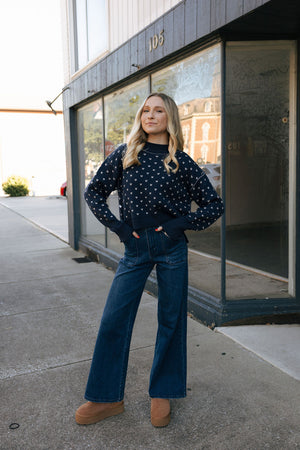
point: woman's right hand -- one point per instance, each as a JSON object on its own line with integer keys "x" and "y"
{"x": 135, "y": 234}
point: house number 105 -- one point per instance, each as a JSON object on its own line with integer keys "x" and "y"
{"x": 156, "y": 40}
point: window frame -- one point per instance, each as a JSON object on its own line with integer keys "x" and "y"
{"x": 75, "y": 67}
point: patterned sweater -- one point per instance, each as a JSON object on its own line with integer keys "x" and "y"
{"x": 150, "y": 197}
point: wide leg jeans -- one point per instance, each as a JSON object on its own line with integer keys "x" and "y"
{"x": 107, "y": 376}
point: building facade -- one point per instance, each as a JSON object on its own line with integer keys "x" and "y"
{"x": 232, "y": 67}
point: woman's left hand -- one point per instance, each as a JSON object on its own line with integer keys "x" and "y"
{"x": 159, "y": 228}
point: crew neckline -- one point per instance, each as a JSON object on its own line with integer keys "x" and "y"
{"x": 156, "y": 148}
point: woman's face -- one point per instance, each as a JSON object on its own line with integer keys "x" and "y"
{"x": 154, "y": 118}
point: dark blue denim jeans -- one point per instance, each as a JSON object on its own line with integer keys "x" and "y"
{"x": 107, "y": 376}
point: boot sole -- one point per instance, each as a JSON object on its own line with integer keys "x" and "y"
{"x": 82, "y": 420}
{"x": 162, "y": 422}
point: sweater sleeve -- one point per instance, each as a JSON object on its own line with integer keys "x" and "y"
{"x": 106, "y": 180}
{"x": 210, "y": 204}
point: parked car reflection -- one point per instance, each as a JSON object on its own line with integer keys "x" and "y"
{"x": 213, "y": 172}
{"x": 63, "y": 189}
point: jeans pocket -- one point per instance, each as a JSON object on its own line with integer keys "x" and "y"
{"x": 175, "y": 251}
{"x": 131, "y": 251}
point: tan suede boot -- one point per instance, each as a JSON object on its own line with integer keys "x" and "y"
{"x": 160, "y": 412}
{"x": 91, "y": 412}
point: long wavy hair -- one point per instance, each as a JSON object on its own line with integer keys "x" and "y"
{"x": 138, "y": 138}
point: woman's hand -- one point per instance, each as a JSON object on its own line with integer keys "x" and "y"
{"x": 160, "y": 228}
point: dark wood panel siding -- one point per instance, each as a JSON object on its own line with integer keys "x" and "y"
{"x": 92, "y": 81}
{"x": 159, "y": 26}
{"x": 234, "y": 9}
{"x": 114, "y": 63}
{"x": 102, "y": 73}
{"x": 149, "y": 56}
{"x": 218, "y": 14}
{"x": 188, "y": 21}
{"x": 178, "y": 27}
{"x": 133, "y": 54}
{"x": 109, "y": 70}
{"x": 168, "y": 32}
{"x": 125, "y": 62}
{"x": 142, "y": 48}
{"x": 203, "y": 18}
{"x": 120, "y": 58}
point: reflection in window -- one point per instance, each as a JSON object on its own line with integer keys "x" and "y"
{"x": 257, "y": 184}
{"x": 186, "y": 109}
{"x": 207, "y": 106}
{"x": 194, "y": 84}
{"x": 90, "y": 139}
{"x": 186, "y": 133}
{"x": 120, "y": 110}
{"x": 204, "y": 152}
{"x": 205, "y": 130}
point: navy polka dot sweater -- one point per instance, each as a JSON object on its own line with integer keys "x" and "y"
{"x": 150, "y": 197}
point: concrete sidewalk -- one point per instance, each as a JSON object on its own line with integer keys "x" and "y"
{"x": 50, "y": 311}
{"x": 277, "y": 344}
{"x": 49, "y": 212}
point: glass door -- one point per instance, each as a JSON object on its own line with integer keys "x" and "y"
{"x": 260, "y": 164}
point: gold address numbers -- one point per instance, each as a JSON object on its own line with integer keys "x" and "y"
{"x": 156, "y": 40}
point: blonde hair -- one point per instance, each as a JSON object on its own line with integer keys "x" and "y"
{"x": 138, "y": 138}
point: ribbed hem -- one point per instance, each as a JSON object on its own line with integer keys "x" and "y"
{"x": 123, "y": 230}
{"x": 175, "y": 227}
{"x": 147, "y": 221}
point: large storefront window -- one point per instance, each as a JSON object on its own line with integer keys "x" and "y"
{"x": 90, "y": 140}
{"x": 194, "y": 83}
{"x": 120, "y": 110}
{"x": 260, "y": 161}
{"x": 259, "y": 170}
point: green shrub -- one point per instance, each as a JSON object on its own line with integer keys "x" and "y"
{"x": 16, "y": 186}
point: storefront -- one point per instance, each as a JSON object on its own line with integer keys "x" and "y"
{"x": 236, "y": 90}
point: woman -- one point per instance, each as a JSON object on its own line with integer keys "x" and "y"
{"x": 156, "y": 183}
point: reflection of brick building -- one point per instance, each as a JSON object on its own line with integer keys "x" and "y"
{"x": 200, "y": 120}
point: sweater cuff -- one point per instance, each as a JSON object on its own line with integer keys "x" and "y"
{"x": 123, "y": 231}
{"x": 175, "y": 227}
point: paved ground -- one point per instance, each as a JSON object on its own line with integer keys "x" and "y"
{"x": 49, "y": 212}
{"x": 50, "y": 311}
{"x": 277, "y": 344}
